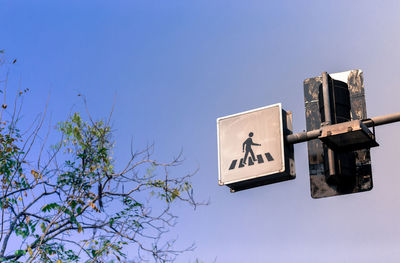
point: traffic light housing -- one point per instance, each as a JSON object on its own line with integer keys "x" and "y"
{"x": 339, "y": 161}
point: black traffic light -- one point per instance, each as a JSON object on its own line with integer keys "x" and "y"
{"x": 339, "y": 162}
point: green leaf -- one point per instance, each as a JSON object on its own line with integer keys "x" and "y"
{"x": 20, "y": 252}
{"x": 49, "y": 207}
{"x": 73, "y": 204}
{"x": 43, "y": 227}
{"x": 175, "y": 194}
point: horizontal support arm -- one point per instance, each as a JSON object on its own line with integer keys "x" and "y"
{"x": 303, "y": 136}
{"x": 314, "y": 134}
{"x": 381, "y": 120}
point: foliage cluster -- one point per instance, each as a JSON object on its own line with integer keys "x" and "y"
{"x": 69, "y": 203}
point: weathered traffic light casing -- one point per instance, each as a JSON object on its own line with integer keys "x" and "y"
{"x": 339, "y": 162}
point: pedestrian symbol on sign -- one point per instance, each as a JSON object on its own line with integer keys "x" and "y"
{"x": 250, "y": 160}
{"x": 248, "y": 143}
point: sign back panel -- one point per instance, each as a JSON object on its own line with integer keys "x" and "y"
{"x": 361, "y": 177}
{"x": 251, "y": 148}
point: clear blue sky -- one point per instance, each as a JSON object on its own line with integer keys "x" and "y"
{"x": 174, "y": 66}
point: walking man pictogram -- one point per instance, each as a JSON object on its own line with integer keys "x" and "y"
{"x": 248, "y": 143}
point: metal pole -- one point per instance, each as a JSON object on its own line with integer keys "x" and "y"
{"x": 303, "y": 136}
{"x": 314, "y": 134}
{"x": 384, "y": 119}
{"x": 328, "y": 120}
{"x": 325, "y": 93}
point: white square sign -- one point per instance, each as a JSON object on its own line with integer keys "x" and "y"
{"x": 250, "y": 145}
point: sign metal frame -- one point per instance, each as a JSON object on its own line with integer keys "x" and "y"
{"x": 286, "y": 167}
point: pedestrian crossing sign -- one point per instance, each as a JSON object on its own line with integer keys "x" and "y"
{"x": 252, "y": 149}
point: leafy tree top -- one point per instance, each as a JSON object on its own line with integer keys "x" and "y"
{"x": 68, "y": 203}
